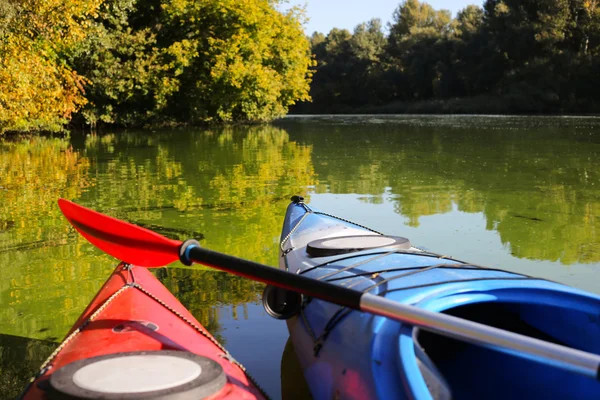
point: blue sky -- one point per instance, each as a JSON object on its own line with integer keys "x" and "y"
{"x": 327, "y": 14}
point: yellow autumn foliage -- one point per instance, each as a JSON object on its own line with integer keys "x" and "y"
{"x": 38, "y": 91}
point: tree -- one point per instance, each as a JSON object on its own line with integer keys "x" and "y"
{"x": 196, "y": 62}
{"x": 587, "y": 30}
{"x": 349, "y": 66}
{"x": 252, "y": 61}
{"x": 317, "y": 45}
{"x": 121, "y": 58}
{"x": 334, "y": 65}
{"x": 414, "y": 18}
{"x": 527, "y": 55}
{"x": 368, "y": 41}
{"x": 157, "y": 61}
{"x": 533, "y": 39}
{"x": 37, "y": 89}
{"x": 417, "y": 53}
{"x": 472, "y": 52}
{"x": 468, "y": 22}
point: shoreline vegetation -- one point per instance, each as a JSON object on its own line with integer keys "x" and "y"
{"x": 131, "y": 63}
{"x": 507, "y": 57}
{"x": 477, "y": 105}
{"x": 87, "y": 64}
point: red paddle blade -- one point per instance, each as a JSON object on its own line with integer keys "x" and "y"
{"x": 120, "y": 239}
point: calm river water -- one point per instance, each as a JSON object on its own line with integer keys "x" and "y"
{"x": 520, "y": 193}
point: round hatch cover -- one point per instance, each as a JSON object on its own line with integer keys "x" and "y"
{"x": 348, "y": 244}
{"x": 165, "y": 375}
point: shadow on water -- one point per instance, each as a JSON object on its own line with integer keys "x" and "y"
{"x": 293, "y": 384}
{"x": 173, "y": 233}
{"x": 20, "y": 359}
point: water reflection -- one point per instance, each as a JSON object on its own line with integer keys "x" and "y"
{"x": 293, "y": 384}
{"x": 20, "y": 359}
{"x": 33, "y": 173}
{"x": 536, "y": 180}
{"x": 205, "y": 293}
{"x": 225, "y": 187}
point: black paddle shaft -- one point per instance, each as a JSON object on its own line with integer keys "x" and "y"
{"x": 526, "y": 347}
{"x": 191, "y": 251}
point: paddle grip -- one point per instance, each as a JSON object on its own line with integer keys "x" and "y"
{"x": 272, "y": 276}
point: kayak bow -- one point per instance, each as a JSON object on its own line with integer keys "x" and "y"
{"x": 135, "y": 340}
{"x": 348, "y": 354}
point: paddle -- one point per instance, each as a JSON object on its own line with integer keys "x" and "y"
{"x": 139, "y": 246}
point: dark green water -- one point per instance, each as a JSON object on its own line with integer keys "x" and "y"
{"x": 517, "y": 193}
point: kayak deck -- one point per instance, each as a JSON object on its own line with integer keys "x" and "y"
{"x": 357, "y": 355}
{"x": 134, "y": 313}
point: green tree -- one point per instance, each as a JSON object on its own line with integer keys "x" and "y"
{"x": 588, "y": 14}
{"x": 317, "y": 45}
{"x": 418, "y": 51}
{"x": 334, "y": 63}
{"x": 367, "y": 47}
{"x": 523, "y": 56}
{"x": 468, "y": 22}
{"x": 415, "y": 18}
{"x": 253, "y": 62}
{"x": 368, "y": 41}
{"x": 349, "y": 67}
{"x": 537, "y": 58}
{"x": 198, "y": 62}
{"x": 471, "y": 47}
{"x": 121, "y": 59}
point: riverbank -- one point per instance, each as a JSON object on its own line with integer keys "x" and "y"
{"x": 484, "y": 104}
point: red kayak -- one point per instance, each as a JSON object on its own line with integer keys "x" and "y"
{"x": 136, "y": 341}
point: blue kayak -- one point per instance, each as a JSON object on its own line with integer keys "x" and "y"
{"x": 348, "y": 354}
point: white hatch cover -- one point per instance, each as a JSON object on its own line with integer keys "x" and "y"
{"x": 166, "y": 374}
{"x": 348, "y": 244}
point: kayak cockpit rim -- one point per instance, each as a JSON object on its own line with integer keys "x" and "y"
{"x": 537, "y": 313}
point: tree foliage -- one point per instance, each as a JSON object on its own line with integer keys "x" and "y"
{"x": 527, "y": 55}
{"x": 130, "y": 62}
{"x": 414, "y": 18}
{"x": 348, "y": 66}
{"x": 248, "y": 63}
{"x": 37, "y": 89}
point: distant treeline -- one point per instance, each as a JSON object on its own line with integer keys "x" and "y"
{"x": 134, "y": 62}
{"x": 527, "y": 56}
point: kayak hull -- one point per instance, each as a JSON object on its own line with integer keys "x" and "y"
{"x": 351, "y": 355}
{"x": 134, "y": 312}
